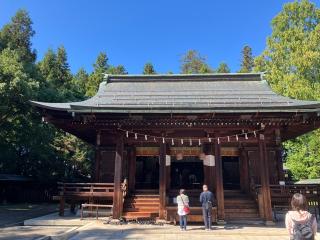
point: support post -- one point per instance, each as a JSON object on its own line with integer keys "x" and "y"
{"x": 244, "y": 174}
{"x": 162, "y": 180}
{"x": 279, "y": 155}
{"x": 117, "y": 195}
{"x": 132, "y": 168}
{"x": 265, "y": 185}
{"x": 97, "y": 163}
{"x": 219, "y": 182}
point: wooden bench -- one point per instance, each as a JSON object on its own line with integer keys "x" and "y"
{"x": 96, "y": 206}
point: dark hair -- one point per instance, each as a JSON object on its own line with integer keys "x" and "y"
{"x": 181, "y": 191}
{"x": 299, "y": 202}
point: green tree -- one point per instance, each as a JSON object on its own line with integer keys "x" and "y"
{"x": 17, "y": 35}
{"x": 117, "y": 70}
{"x": 100, "y": 68}
{"x": 247, "y": 62}
{"x": 223, "y": 68}
{"x": 148, "y": 69}
{"x": 291, "y": 61}
{"x": 80, "y": 80}
{"x": 193, "y": 62}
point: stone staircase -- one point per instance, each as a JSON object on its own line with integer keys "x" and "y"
{"x": 141, "y": 205}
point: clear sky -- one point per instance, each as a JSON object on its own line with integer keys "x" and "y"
{"x": 134, "y": 32}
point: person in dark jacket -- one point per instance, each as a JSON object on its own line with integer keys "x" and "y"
{"x": 206, "y": 200}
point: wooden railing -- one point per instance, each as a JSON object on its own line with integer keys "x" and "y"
{"x": 86, "y": 189}
{"x": 79, "y": 192}
{"x": 281, "y": 195}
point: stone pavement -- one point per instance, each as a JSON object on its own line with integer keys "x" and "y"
{"x": 98, "y": 230}
{"x": 15, "y": 214}
{"x": 30, "y": 232}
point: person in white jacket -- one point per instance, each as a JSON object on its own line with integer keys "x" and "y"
{"x": 182, "y": 201}
{"x": 299, "y": 221}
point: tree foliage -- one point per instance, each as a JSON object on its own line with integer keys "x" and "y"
{"x": 291, "y": 61}
{"x": 223, "y": 68}
{"x": 148, "y": 69}
{"x": 193, "y": 62}
{"x": 247, "y": 62}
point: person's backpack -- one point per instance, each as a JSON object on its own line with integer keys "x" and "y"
{"x": 303, "y": 231}
{"x": 208, "y": 205}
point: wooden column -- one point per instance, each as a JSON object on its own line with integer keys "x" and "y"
{"x": 117, "y": 196}
{"x": 244, "y": 171}
{"x": 210, "y": 171}
{"x": 96, "y": 172}
{"x": 264, "y": 175}
{"x": 97, "y": 163}
{"x": 162, "y": 180}
{"x": 219, "y": 182}
{"x": 132, "y": 168}
{"x": 279, "y": 155}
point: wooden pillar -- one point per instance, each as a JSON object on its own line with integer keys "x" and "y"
{"x": 244, "y": 171}
{"x": 219, "y": 182}
{"x": 117, "y": 195}
{"x": 132, "y": 169}
{"x": 97, "y": 163}
{"x": 265, "y": 185}
{"x": 96, "y": 172}
{"x": 162, "y": 180}
{"x": 209, "y": 169}
{"x": 279, "y": 155}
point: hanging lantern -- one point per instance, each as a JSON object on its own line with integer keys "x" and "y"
{"x": 190, "y": 141}
{"x": 246, "y": 136}
{"x": 209, "y": 139}
{"x": 127, "y": 134}
{"x": 255, "y": 134}
{"x": 145, "y": 137}
{"x": 181, "y": 141}
{"x": 237, "y": 138}
{"x": 154, "y": 139}
{"x": 228, "y": 139}
{"x": 172, "y": 142}
{"x": 199, "y": 142}
{"x": 218, "y": 140}
{"x": 135, "y": 136}
{"x": 163, "y": 140}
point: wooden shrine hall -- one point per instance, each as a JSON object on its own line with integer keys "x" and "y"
{"x": 160, "y": 133}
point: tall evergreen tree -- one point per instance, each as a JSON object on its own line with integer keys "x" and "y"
{"x": 80, "y": 80}
{"x": 291, "y": 61}
{"x": 17, "y": 35}
{"x": 247, "y": 62}
{"x": 117, "y": 70}
{"x": 193, "y": 62}
{"x": 148, "y": 69}
{"x": 223, "y": 68}
{"x": 100, "y": 68}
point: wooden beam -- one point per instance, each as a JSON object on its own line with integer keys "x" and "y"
{"x": 219, "y": 182}
{"x": 265, "y": 181}
{"x": 117, "y": 195}
{"x": 162, "y": 180}
{"x": 132, "y": 168}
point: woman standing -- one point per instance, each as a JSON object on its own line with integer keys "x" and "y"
{"x": 299, "y": 222}
{"x": 183, "y": 209}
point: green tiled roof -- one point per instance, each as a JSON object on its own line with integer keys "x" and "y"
{"x": 179, "y": 93}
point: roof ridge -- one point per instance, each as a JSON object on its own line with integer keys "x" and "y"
{"x": 186, "y": 77}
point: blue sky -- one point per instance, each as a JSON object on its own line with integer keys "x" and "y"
{"x": 135, "y": 32}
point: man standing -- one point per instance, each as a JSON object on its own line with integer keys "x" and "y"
{"x": 206, "y": 199}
